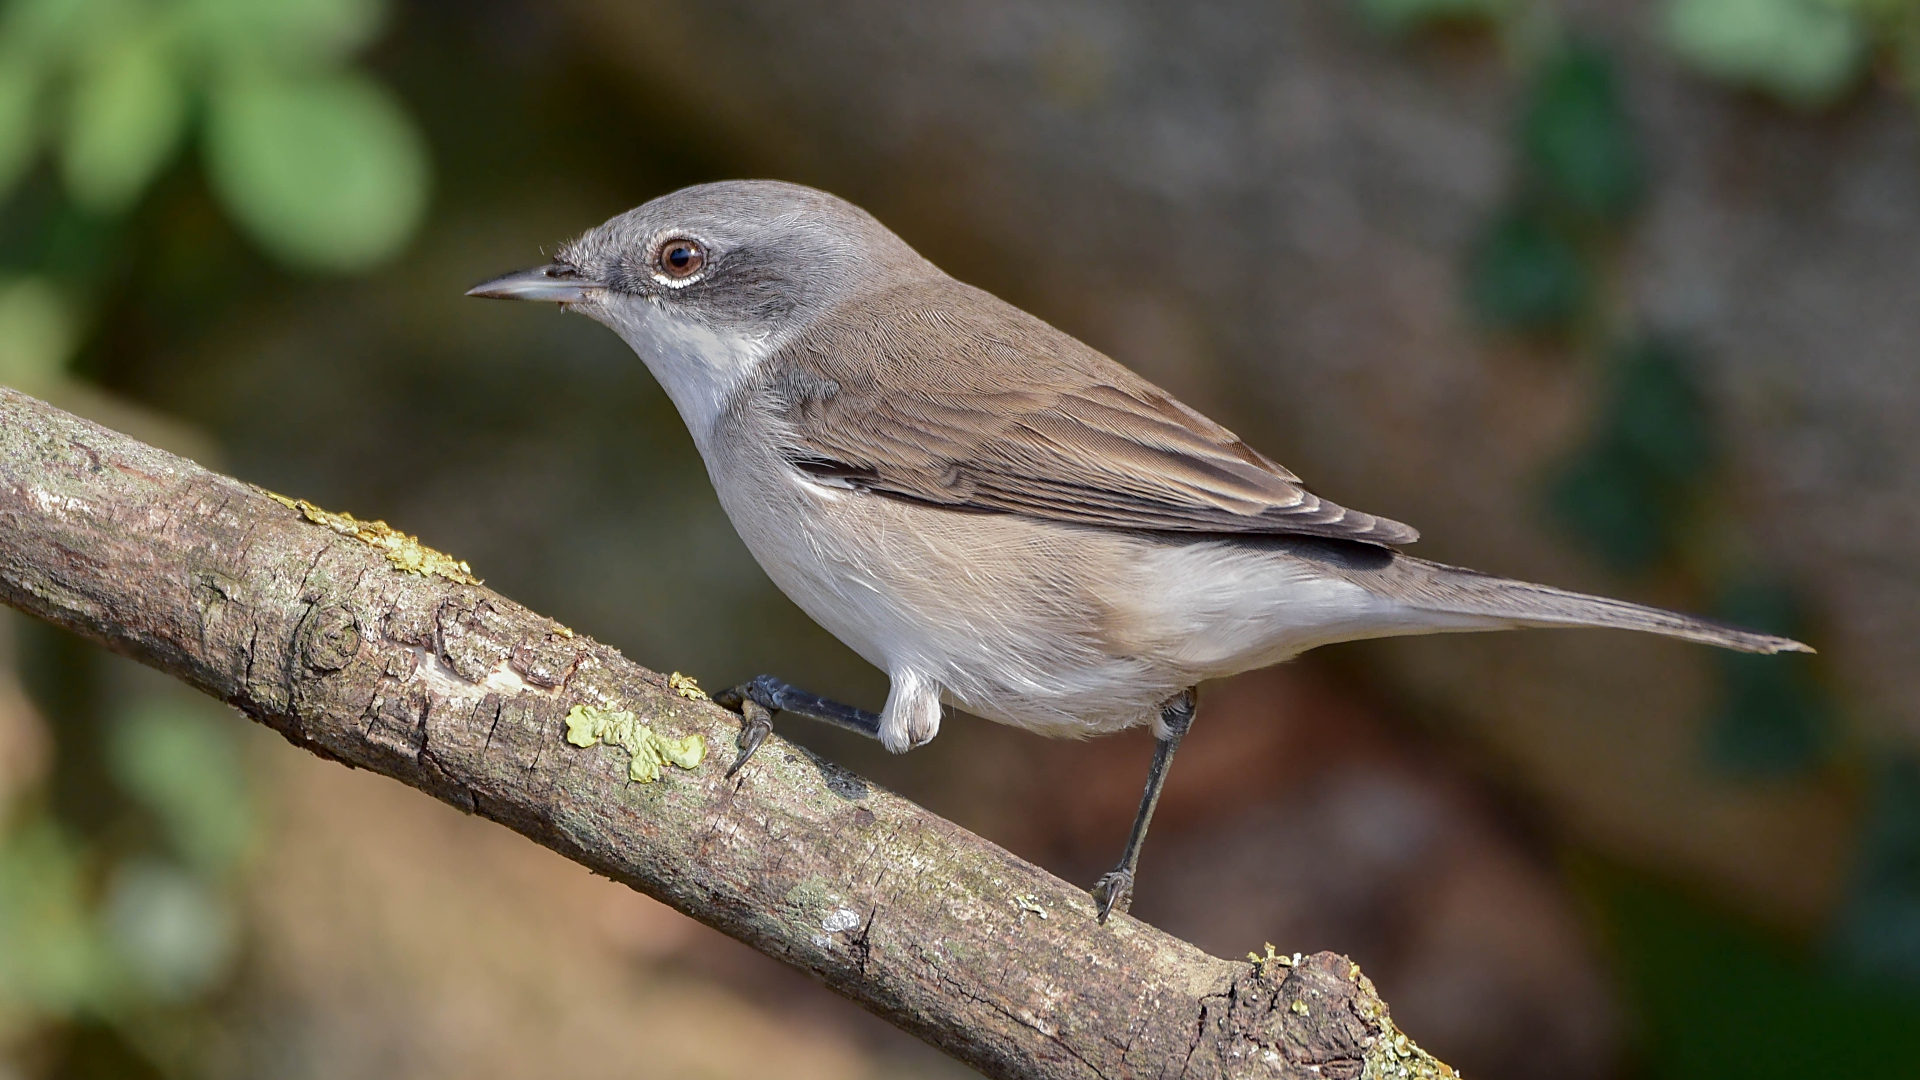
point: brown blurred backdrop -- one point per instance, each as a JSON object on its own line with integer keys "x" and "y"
{"x": 1615, "y": 296}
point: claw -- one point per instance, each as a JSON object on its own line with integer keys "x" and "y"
{"x": 757, "y": 699}
{"x": 756, "y": 723}
{"x": 1113, "y": 892}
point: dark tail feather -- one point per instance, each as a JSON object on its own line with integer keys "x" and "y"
{"x": 1503, "y": 602}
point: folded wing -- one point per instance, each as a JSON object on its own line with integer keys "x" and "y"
{"x": 989, "y": 409}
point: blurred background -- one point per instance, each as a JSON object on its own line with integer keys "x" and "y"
{"x": 1617, "y": 296}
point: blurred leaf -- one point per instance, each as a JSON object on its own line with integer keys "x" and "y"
{"x": 177, "y": 936}
{"x": 50, "y": 960}
{"x": 1525, "y": 274}
{"x": 1804, "y": 52}
{"x": 38, "y": 332}
{"x": 126, "y": 113}
{"x": 46, "y": 30}
{"x": 68, "y": 254}
{"x": 19, "y": 126}
{"x": 1895, "y": 24}
{"x": 1602, "y": 499}
{"x": 62, "y": 243}
{"x": 1659, "y": 412}
{"x": 1623, "y": 495}
{"x": 1774, "y": 722}
{"x": 1407, "y": 16}
{"x": 1879, "y": 928}
{"x": 327, "y": 173}
{"x": 1577, "y": 138}
{"x": 278, "y": 31}
{"x": 184, "y": 766}
{"x": 1721, "y": 1002}
{"x": 1775, "y": 719}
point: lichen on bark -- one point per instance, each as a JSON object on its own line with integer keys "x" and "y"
{"x": 648, "y": 751}
{"x": 451, "y": 688}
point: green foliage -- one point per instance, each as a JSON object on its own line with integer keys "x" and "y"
{"x": 126, "y": 111}
{"x": 320, "y": 166}
{"x": 50, "y": 252}
{"x": 326, "y": 172}
{"x": 1895, "y": 25}
{"x": 1409, "y": 16}
{"x": 1580, "y": 169}
{"x": 164, "y": 929}
{"x": 1625, "y": 495}
{"x": 1577, "y": 142}
{"x": 318, "y": 163}
{"x": 183, "y": 766}
{"x": 43, "y": 234}
{"x": 1717, "y": 1001}
{"x": 1879, "y": 930}
{"x": 1526, "y": 274}
{"x": 51, "y": 960}
{"x": 19, "y": 124}
{"x": 1657, "y": 413}
{"x": 38, "y": 330}
{"x": 1601, "y": 498}
{"x": 308, "y": 34}
{"x": 1805, "y": 52}
{"x": 1775, "y": 718}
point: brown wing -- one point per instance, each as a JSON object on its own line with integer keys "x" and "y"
{"x": 989, "y": 409}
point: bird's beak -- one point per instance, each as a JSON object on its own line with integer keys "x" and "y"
{"x": 554, "y": 284}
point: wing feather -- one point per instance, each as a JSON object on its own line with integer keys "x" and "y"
{"x": 986, "y": 408}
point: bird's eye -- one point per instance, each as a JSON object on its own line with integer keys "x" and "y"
{"x": 681, "y": 258}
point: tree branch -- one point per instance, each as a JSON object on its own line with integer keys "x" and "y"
{"x": 450, "y": 688}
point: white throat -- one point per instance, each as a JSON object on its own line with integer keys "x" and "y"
{"x": 700, "y": 368}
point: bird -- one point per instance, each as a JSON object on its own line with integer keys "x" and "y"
{"x": 999, "y": 517}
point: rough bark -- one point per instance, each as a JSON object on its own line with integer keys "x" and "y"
{"x": 458, "y": 691}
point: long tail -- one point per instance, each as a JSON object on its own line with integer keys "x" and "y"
{"x": 1503, "y": 602}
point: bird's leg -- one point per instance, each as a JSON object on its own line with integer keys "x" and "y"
{"x": 758, "y": 699}
{"x": 1114, "y": 891}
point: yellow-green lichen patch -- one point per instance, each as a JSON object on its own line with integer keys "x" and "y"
{"x": 1264, "y": 963}
{"x": 1391, "y": 1055}
{"x": 589, "y": 725}
{"x": 403, "y": 551}
{"x": 686, "y": 687}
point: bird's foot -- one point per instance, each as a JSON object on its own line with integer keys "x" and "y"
{"x": 1113, "y": 892}
{"x": 756, "y": 723}
{"x": 758, "y": 699}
